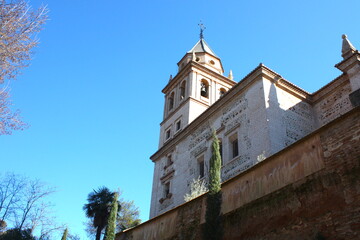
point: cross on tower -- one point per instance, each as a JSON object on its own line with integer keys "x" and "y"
{"x": 202, "y": 28}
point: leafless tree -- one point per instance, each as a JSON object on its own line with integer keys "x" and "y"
{"x": 19, "y": 24}
{"x": 11, "y": 188}
{"x": 24, "y": 205}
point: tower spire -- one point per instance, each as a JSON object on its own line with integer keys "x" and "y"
{"x": 202, "y": 28}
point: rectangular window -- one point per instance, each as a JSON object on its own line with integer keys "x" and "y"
{"x": 166, "y": 189}
{"x": 221, "y": 151}
{"x": 201, "y": 166}
{"x": 169, "y": 160}
{"x": 168, "y": 134}
{"x": 235, "y": 147}
{"x": 178, "y": 125}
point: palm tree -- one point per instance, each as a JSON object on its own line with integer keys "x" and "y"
{"x": 98, "y": 208}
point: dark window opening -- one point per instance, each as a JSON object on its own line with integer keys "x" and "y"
{"x": 166, "y": 189}
{"x": 235, "y": 148}
{"x": 171, "y": 101}
{"x": 169, "y": 160}
{"x": 201, "y": 168}
{"x": 221, "y": 151}
{"x": 178, "y": 125}
{"x": 168, "y": 133}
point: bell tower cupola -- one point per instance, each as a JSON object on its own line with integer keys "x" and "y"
{"x": 202, "y": 54}
{"x": 199, "y": 82}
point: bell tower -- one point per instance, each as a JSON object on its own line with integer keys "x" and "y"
{"x": 198, "y": 84}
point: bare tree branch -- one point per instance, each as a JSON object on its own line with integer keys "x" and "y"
{"x": 19, "y": 25}
{"x": 34, "y": 195}
{"x": 11, "y": 188}
{"x": 24, "y": 206}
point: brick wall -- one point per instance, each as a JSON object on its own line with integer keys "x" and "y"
{"x": 320, "y": 199}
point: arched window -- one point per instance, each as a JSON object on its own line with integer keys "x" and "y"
{"x": 222, "y": 92}
{"x": 182, "y": 90}
{"x": 171, "y": 101}
{"x": 204, "y": 89}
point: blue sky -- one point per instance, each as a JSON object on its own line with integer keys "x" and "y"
{"x": 92, "y": 94}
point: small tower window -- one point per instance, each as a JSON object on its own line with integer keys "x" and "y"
{"x": 235, "y": 147}
{"x": 212, "y": 62}
{"x": 201, "y": 166}
{"x": 222, "y": 92}
{"x": 221, "y": 150}
{"x": 178, "y": 125}
{"x": 169, "y": 160}
{"x": 166, "y": 189}
{"x": 204, "y": 89}
{"x": 182, "y": 90}
{"x": 167, "y": 134}
{"x": 171, "y": 101}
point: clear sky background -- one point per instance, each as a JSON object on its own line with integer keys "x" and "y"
{"x": 92, "y": 94}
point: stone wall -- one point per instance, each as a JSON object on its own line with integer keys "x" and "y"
{"x": 310, "y": 190}
{"x": 333, "y": 100}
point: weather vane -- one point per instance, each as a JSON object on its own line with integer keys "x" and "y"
{"x": 202, "y": 28}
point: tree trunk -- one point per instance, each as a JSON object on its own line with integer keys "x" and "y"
{"x": 98, "y": 233}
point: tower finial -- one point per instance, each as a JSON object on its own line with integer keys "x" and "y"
{"x": 347, "y": 48}
{"x": 231, "y": 77}
{"x": 202, "y": 28}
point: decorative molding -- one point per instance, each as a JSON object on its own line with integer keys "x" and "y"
{"x": 201, "y": 134}
{"x": 167, "y": 175}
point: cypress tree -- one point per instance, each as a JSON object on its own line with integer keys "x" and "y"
{"x": 213, "y": 227}
{"x": 64, "y": 236}
{"x": 111, "y": 224}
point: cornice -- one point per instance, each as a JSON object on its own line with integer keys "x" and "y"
{"x": 329, "y": 88}
{"x": 285, "y": 84}
{"x": 349, "y": 62}
{"x": 186, "y": 54}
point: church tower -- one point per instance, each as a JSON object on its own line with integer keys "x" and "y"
{"x": 197, "y": 85}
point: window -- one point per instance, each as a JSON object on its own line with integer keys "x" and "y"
{"x": 171, "y": 101}
{"x": 166, "y": 189}
{"x": 204, "y": 89}
{"x": 235, "y": 147}
{"x": 201, "y": 166}
{"x": 168, "y": 134}
{"x": 182, "y": 90}
{"x": 221, "y": 151}
{"x": 222, "y": 92}
{"x": 178, "y": 125}
{"x": 169, "y": 160}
